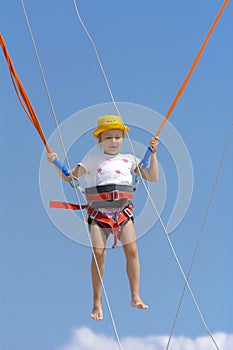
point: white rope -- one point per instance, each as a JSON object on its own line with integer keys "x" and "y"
{"x": 201, "y": 231}
{"x": 104, "y": 74}
{"x": 182, "y": 271}
{"x": 75, "y": 189}
{"x": 147, "y": 190}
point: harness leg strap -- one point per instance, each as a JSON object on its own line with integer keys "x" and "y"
{"x": 108, "y": 223}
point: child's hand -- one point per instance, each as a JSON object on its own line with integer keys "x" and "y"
{"x": 154, "y": 143}
{"x": 51, "y": 157}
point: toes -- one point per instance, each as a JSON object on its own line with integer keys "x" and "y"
{"x": 139, "y": 305}
{"x": 97, "y": 316}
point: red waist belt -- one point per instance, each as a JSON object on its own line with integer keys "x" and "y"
{"x": 94, "y": 197}
{"x": 109, "y": 196}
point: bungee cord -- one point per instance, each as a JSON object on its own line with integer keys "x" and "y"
{"x": 75, "y": 187}
{"x": 195, "y": 62}
{"x": 22, "y": 95}
{"x": 171, "y": 108}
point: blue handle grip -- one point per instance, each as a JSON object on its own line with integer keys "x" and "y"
{"x": 145, "y": 161}
{"x": 62, "y": 167}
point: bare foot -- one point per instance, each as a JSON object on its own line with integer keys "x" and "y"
{"x": 138, "y": 303}
{"x": 97, "y": 313}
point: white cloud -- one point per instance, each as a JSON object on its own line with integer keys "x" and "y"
{"x": 86, "y": 339}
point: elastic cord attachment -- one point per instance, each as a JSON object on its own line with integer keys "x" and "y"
{"x": 62, "y": 167}
{"x": 145, "y": 161}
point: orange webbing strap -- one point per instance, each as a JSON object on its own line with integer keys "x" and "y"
{"x": 195, "y": 62}
{"x": 22, "y": 95}
{"x": 64, "y": 205}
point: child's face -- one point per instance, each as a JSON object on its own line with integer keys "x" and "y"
{"x": 111, "y": 141}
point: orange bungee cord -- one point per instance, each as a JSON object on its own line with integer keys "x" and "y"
{"x": 22, "y": 95}
{"x": 145, "y": 161}
{"x": 195, "y": 62}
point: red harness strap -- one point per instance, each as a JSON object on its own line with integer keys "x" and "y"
{"x": 109, "y": 196}
{"x": 64, "y": 205}
{"x": 109, "y": 223}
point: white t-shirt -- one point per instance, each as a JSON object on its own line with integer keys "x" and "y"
{"x": 104, "y": 169}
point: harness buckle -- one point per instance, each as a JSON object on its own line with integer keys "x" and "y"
{"x": 115, "y": 195}
{"x": 93, "y": 214}
{"x": 128, "y": 212}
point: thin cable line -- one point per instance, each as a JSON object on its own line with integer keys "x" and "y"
{"x": 201, "y": 230}
{"x": 185, "y": 279}
{"x": 152, "y": 202}
{"x": 43, "y": 76}
{"x": 104, "y": 75}
{"x": 75, "y": 189}
{"x": 97, "y": 56}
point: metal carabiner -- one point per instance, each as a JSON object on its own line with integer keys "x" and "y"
{"x": 73, "y": 184}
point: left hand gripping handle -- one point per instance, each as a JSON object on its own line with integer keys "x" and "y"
{"x": 62, "y": 167}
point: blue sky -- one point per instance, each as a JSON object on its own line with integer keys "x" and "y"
{"x": 146, "y": 49}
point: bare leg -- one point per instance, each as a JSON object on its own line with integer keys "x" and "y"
{"x": 128, "y": 240}
{"x": 99, "y": 246}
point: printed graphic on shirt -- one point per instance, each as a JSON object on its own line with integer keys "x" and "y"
{"x": 103, "y": 169}
{"x": 115, "y": 170}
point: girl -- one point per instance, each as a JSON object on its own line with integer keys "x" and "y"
{"x": 108, "y": 175}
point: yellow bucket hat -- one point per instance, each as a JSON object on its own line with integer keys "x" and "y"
{"x": 109, "y": 122}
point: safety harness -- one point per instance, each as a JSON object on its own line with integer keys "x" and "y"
{"x": 104, "y": 197}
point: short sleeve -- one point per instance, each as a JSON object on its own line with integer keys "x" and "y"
{"x": 86, "y": 162}
{"x": 135, "y": 162}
